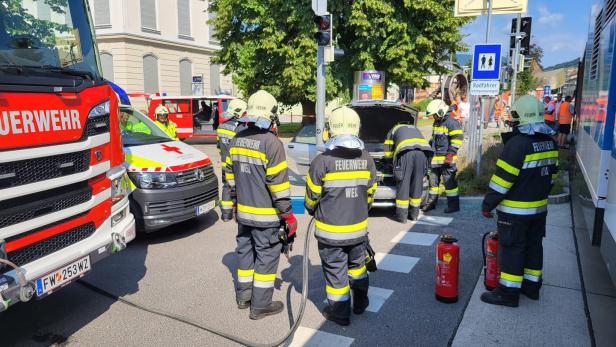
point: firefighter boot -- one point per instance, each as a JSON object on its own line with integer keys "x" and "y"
{"x": 338, "y": 312}
{"x": 453, "y": 205}
{"x": 241, "y": 304}
{"x": 531, "y": 289}
{"x": 274, "y": 308}
{"x": 360, "y": 301}
{"x": 401, "y": 216}
{"x": 430, "y": 204}
{"x": 502, "y": 296}
{"x": 414, "y": 213}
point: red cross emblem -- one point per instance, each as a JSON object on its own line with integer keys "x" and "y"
{"x": 172, "y": 149}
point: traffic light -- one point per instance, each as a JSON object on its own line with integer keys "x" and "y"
{"x": 525, "y": 28}
{"x": 324, "y": 27}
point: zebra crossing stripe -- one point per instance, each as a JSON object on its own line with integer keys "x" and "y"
{"x": 434, "y": 220}
{"x": 395, "y": 263}
{"x": 413, "y": 238}
{"x": 307, "y": 337}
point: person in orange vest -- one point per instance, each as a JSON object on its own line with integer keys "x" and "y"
{"x": 499, "y": 107}
{"x": 566, "y": 113}
{"x": 549, "y": 110}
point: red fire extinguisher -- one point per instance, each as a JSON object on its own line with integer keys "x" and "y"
{"x": 490, "y": 260}
{"x": 447, "y": 269}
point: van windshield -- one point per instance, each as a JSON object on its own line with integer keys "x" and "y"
{"x": 47, "y": 37}
{"x": 138, "y": 130}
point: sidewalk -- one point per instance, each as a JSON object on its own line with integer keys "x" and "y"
{"x": 557, "y": 319}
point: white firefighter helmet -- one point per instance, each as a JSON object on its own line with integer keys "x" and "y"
{"x": 527, "y": 110}
{"x": 161, "y": 110}
{"x": 344, "y": 121}
{"x": 261, "y": 104}
{"x": 437, "y": 108}
{"x": 236, "y": 108}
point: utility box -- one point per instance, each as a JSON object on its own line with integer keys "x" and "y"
{"x": 369, "y": 85}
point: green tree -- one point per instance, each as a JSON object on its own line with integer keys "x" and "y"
{"x": 526, "y": 82}
{"x": 17, "y": 20}
{"x": 269, "y": 43}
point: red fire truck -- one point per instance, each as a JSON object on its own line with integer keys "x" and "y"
{"x": 63, "y": 189}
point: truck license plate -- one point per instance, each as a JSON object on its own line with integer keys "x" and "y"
{"x": 62, "y": 276}
{"x": 206, "y": 207}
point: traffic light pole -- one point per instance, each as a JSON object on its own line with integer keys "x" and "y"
{"x": 516, "y": 57}
{"x": 320, "y": 104}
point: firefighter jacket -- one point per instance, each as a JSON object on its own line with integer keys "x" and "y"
{"x": 404, "y": 137}
{"x": 224, "y": 133}
{"x": 447, "y": 138}
{"x": 168, "y": 128}
{"x": 339, "y": 189}
{"x": 256, "y": 179}
{"x": 524, "y": 176}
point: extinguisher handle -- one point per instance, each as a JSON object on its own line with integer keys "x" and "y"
{"x": 483, "y": 248}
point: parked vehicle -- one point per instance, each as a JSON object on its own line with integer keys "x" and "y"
{"x": 171, "y": 181}
{"x": 194, "y": 116}
{"x": 377, "y": 118}
{"x": 63, "y": 189}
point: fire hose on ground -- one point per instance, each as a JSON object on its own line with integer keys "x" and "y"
{"x": 199, "y": 325}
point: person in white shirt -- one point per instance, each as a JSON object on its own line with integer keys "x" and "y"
{"x": 465, "y": 111}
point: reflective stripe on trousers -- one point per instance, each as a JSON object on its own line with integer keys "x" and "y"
{"x": 338, "y": 294}
{"x": 510, "y": 281}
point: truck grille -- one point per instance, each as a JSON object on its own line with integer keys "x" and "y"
{"x": 188, "y": 177}
{"x": 187, "y": 203}
{"x": 96, "y": 126}
{"x": 22, "y": 172}
{"x": 21, "y": 209}
{"x": 53, "y": 244}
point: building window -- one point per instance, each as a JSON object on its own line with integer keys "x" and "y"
{"x": 107, "y": 65}
{"x": 184, "y": 18}
{"x": 148, "y": 16}
{"x": 150, "y": 74}
{"x": 102, "y": 17}
{"x": 211, "y": 15}
{"x": 215, "y": 78}
{"x": 185, "y": 77}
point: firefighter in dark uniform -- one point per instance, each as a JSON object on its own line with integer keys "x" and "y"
{"x": 407, "y": 147}
{"x": 446, "y": 140}
{"x": 339, "y": 189}
{"x": 257, "y": 191}
{"x": 519, "y": 190}
{"x": 226, "y": 131}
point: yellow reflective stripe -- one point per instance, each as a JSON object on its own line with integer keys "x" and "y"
{"x": 389, "y": 154}
{"x": 226, "y": 132}
{"x": 501, "y": 182}
{"x": 223, "y": 164}
{"x": 226, "y": 203}
{"x": 402, "y": 202}
{"x": 316, "y": 189}
{"x": 309, "y": 201}
{"x": 524, "y": 204}
{"x": 537, "y": 273}
{"x": 141, "y": 162}
{"x": 438, "y": 157}
{"x": 415, "y": 201}
{"x": 539, "y": 156}
{"x": 370, "y": 199}
{"x": 229, "y": 161}
{"x": 249, "y": 153}
{"x": 456, "y": 132}
{"x": 265, "y": 277}
{"x": 442, "y": 129}
{"x": 389, "y": 142}
{"x": 412, "y": 140}
{"x": 455, "y": 190}
{"x": 456, "y": 142}
{"x": 256, "y": 210}
{"x": 357, "y": 272}
{"x": 337, "y": 291}
{"x": 511, "y": 278}
{"x": 245, "y": 273}
{"x": 508, "y": 167}
{"x": 229, "y": 176}
{"x": 276, "y": 169}
{"x": 346, "y": 175}
{"x": 275, "y": 188}
{"x": 372, "y": 189}
{"x": 434, "y": 189}
{"x": 341, "y": 228}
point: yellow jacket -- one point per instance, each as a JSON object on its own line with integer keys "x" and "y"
{"x": 169, "y": 129}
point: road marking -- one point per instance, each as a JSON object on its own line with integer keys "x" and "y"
{"x": 307, "y": 337}
{"x": 396, "y": 263}
{"x": 413, "y": 238}
{"x": 377, "y": 297}
{"x": 433, "y": 220}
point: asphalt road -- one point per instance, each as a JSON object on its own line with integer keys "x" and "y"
{"x": 188, "y": 269}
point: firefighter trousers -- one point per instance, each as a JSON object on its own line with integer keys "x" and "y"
{"x": 258, "y": 252}
{"x": 520, "y": 249}
{"x": 345, "y": 270}
{"x": 409, "y": 171}
{"x": 446, "y": 173}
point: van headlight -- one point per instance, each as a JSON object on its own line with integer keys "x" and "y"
{"x": 153, "y": 180}
{"x": 119, "y": 189}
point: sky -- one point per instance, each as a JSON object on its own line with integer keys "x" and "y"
{"x": 560, "y": 27}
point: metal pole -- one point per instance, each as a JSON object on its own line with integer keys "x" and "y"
{"x": 320, "y": 105}
{"x": 516, "y": 57}
{"x": 483, "y": 104}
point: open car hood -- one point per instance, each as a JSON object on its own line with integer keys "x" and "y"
{"x": 378, "y": 118}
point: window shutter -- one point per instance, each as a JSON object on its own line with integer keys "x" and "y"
{"x": 101, "y": 12}
{"x": 107, "y": 65}
{"x": 185, "y": 77}
{"x": 150, "y": 74}
{"x": 215, "y": 78}
{"x": 211, "y": 15}
{"x": 148, "y": 14}
{"x": 184, "y": 17}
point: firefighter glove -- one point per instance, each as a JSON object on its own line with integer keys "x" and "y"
{"x": 449, "y": 159}
{"x": 487, "y": 214}
{"x": 291, "y": 222}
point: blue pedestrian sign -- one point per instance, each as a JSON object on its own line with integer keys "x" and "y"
{"x": 547, "y": 91}
{"x": 486, "y": 62}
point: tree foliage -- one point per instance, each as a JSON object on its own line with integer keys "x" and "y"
{"x": 269, "y": 43}
{"x": 526, "y": 82}
{"x": 536, "y": 52}
{"x": 17, "y": 20}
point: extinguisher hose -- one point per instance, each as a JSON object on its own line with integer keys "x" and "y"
{"x": 483, "y": 249}
{"x": 201, "y": 326}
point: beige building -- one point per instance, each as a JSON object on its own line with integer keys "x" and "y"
{"x": 153, "y": 46}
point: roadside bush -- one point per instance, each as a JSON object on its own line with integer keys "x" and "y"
{"x": 469, "y": 182}
{"x": 422, "y": 105}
